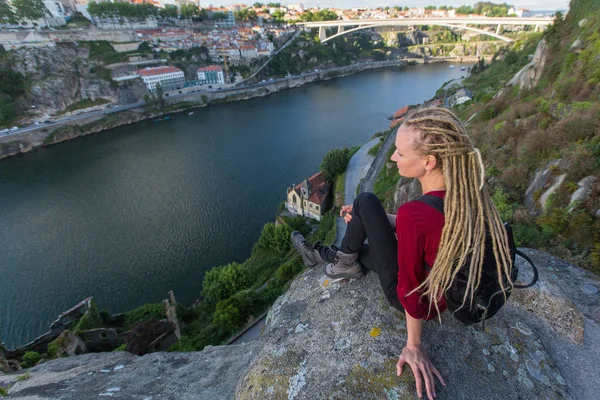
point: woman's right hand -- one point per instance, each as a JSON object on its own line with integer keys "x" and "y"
{"x": 422, "y": 367}
{"x": 346, "y": 213}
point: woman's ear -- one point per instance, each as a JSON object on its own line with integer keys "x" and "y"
{"x": 430, "y": 162}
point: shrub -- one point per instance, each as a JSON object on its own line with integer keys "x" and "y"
{"x": 335, "y": 162}
{"x": 503, "y": 203}
{"x": 147, "y": 312}
{"x": 289, "y": 270}
{"x": 276, "y": 237}
{"x": 30, "y": 359}
{"x": 89, "y": 320}
{"x": 232, "y": 314}
{"x": 222, "y": 282}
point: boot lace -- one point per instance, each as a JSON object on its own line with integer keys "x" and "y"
{"x": 307, "y": 245}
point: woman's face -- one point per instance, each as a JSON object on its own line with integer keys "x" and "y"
{"x": 410, "y": 163}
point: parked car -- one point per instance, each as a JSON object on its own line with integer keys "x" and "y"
{"x": 14, "y": 128}
{"x": 4, "y": 131}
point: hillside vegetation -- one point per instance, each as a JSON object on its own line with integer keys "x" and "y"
{"x": 553, "y": 127}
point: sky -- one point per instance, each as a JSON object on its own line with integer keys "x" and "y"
{"x": 527, "y": 4}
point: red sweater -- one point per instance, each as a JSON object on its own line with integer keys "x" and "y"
{"x": 419, "y": 229}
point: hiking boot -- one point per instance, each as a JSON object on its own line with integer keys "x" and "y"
{"x": 310, "y": 256}
{"x": 344, "y": 266}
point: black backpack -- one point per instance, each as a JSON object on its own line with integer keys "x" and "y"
{"x": 489, "y": 297}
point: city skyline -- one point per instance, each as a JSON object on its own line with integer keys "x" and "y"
{"x": 527, "y": 4}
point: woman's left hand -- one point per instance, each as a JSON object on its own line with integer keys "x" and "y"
{"x": 422, "y": 368}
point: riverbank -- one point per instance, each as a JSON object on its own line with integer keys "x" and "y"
{"x": 11, "y": 145}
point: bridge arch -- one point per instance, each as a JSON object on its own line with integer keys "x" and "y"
{"x": 398, "y": 23}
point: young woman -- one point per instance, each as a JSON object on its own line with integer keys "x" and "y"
{"x": 432, "y": 146}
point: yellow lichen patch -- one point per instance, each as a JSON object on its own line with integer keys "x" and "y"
{"x": 379, "y": 381}
{"x": 269, "y": 377}
{"x": 375, "y": 332}
{"x": 326, "y": 282}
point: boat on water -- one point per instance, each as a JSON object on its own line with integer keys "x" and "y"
{"x": 463, "y": 68}
{"x": 162, "y": 119}
{"x": 191, "y": 113}
{"x": 452, "y": 66}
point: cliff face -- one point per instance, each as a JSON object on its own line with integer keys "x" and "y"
{"x": 328, "y": 340}
{"x": 62, "y": 75}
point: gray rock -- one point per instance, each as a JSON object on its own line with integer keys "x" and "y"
{"x": 583, "y": 22}
{"x": 541, "y": 179}
{"x": 577, "y": 46}
{"x": 590, "y": 289}
{"x": 583, "y": 192}
{"x": 555, "y": 185}
{"x": 598, "y": 213}
{"x": 529, "y": 76}
{"x": 207, "y": 375}
{"x": 533, "y": 348}
{"x": 540, "y": 345}
{"x": 406, "y": 190}
{"x": 64, "y": 74}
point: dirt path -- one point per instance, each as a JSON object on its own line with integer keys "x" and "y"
{"x": 368, "y": 184}
{"x": 358, "y": 167}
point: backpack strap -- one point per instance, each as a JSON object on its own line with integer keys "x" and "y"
{"x": 432, "y": 201}
{"x": 535, "y": 271}
{"x": 438, "y": 204}
{"x": 435, "y": 202}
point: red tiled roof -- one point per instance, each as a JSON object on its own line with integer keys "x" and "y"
{"x": 211, "y": 68}
{"x": 401, "y": 112}
{"x": 319, "y": 194}
{"x": 157, "y": 71}
{"x": 314, "y": 181}
{"x": 396, "y": 122}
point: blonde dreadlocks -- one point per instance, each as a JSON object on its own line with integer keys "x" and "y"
{"x": 468, "y": 208}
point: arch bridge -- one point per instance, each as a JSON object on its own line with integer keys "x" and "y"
{"x": 453, "y": 23}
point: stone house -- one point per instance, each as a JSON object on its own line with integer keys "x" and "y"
{"x": 461, "y": 97}
{"x": 309, "y": 197}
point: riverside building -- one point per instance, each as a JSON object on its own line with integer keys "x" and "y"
{"x": 213, "y": 74}
{"x": 169, "y": 78}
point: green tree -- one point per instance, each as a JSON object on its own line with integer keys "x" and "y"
{"x": 233, "y": 312}
{"x": 144, "y": 46}
{"x": 335, "y": 163}
{"x": 30, "y": 358}
{"x": 278, "y": 15}
{"x": 160, "y": 95}
{"x": 30, "y": 9}
{"x": 7, "y": 15}
{"x": 169, "y": 11}
{"x": 274, "y": 5}
{"x": 222, "y": 282}
{"x": 12, "y": 83}
{"x": 465, "y": 10}
{"x": 275, "y": 237}
{"x": 189, "y": 10}
{"x": 218, "y": 15}
{"x": 257, "y": 5}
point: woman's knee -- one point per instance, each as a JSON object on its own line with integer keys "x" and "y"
{"x": 366, "y": 198}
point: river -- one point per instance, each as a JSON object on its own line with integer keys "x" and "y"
{"x": 131, "y": 213}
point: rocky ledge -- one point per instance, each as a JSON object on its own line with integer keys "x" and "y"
{"x": 341, "y": 340}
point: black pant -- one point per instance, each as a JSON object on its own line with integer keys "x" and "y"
{"x": 370, "y": 221}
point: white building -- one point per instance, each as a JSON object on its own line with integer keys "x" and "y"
{"x": 56, "y": 8}
{"x": 296, "y": 7}
{"x": 213, "y": 74}
{"x": 461, "y": 97}
{"x": 169, "y": 78}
